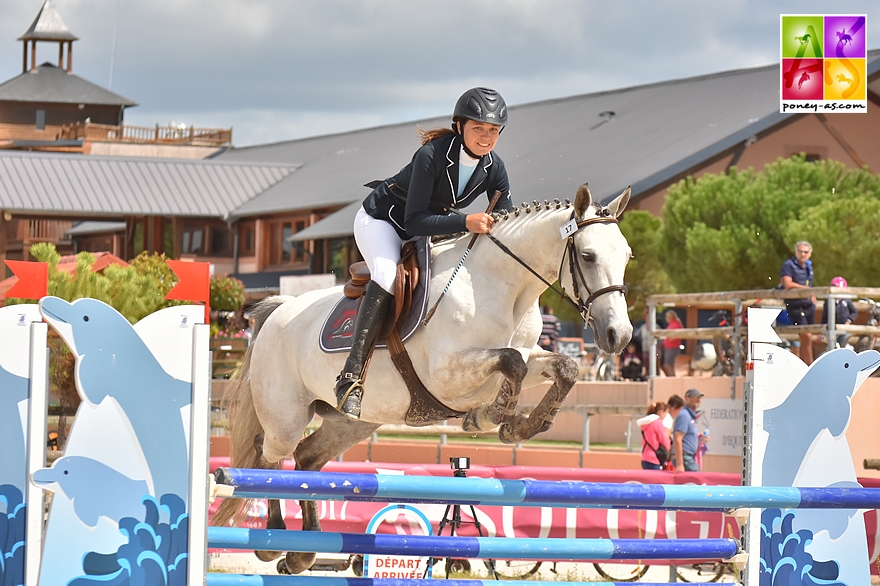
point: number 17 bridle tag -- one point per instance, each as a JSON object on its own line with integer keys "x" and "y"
{"x": 568, "y": 228}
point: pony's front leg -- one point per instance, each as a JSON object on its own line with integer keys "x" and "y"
{"x": 509, "y": 363}
{"x": 542, "y": 365}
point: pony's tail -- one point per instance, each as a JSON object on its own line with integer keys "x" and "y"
{"x": 245, "y": 426}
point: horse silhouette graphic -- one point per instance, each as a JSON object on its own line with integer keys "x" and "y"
{"x": 804, "y": 77}
{"x": 844, "y": 79}
{"x": 842, "y": 37}
{"x": 804, "y": 39}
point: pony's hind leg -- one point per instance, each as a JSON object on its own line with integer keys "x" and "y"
{"x": 336, "y": 434}
{"x": 563, "y": 370}
{"x": 274, "y": 517}
{"x": 271, "y": 449}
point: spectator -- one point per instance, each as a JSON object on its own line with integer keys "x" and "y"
{"x": 845, "y": 311}
{"x": 797, "y": 273}
{"x": 671, "y": 346}
{"x": 550, "y": 329}
{"x": 685, "y": 440}
{"x": 675, "y": 405}
{"x": 654, "y": 437}
{"x": 631, "y": 367}
{"x": 641, "y": 336}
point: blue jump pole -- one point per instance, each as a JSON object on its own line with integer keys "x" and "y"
{"x": 322, "y": 486}
{"x": 255, "y": 580}
{"x": 437, "y": 546}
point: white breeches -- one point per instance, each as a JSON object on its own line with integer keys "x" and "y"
{"x": 380, "y": 245}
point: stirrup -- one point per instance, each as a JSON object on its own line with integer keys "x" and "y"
{"x": 355, "y": 392}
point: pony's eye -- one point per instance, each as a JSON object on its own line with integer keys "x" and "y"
{"x": 588, "y": 256}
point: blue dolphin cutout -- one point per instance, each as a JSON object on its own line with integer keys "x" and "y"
{"x": 113, "y": 361}
{"x": 94, "y": 488}
{"x": 821, "y": 400}
{"x": 13, "y": 466}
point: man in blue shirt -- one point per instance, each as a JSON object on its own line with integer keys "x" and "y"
{"x": 684, "y": 433}
{"x": 797, "y": 273}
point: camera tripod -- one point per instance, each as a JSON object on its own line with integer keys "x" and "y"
{"x": 454, "y": 523}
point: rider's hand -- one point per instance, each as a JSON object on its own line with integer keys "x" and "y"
{"x": 479, "y": 223}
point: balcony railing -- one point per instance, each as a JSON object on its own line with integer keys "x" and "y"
{"x": 31, "y": 231}
{"x": 146, "y": 135}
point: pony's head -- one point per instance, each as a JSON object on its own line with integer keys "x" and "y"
{"x": 593, "y": 269}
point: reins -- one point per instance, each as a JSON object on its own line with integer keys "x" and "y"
{"x": 580, "y": 305}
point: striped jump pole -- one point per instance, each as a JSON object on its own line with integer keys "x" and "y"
{"x": 521, "y": 548}
{"x": 303, "y": 485}
{"x": 257, "y": 580}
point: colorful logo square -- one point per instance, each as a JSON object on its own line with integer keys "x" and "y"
{"x": 802, "y": 36}
{"x": 802, "y": 79}
{"x": 845, "y": 79}
{"x": 845, "y": 37}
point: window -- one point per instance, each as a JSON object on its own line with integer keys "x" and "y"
{"x": 41, "y": 120}
{"x": 247, "y": 239}
{"x": 283, "y": 251}
{"x": 219, "y": 245}
{"x": 192, "y": 241}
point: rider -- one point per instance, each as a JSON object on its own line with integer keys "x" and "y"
{"x": 448, "y": 172}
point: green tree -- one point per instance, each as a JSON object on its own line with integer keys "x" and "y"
{"x": 845, "y": 234}
{"x": 731, "y": 231}
{"x": 645, "y": 274}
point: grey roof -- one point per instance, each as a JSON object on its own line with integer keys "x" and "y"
{"x": 335, "y": 167}
{"x": 336, "y": 225}
{"x": 550, "y": 147}
{"x": 76, "y": 185}
{"x": 86, "y": 228}
{"x": 48, "y": 26}
{"x": 656, "y": 132}
{"x": 48, "y": 83}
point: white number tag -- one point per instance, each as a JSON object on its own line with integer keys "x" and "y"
{"x": 568, "y": 228}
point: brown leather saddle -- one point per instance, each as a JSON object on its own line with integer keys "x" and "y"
{"x": 410, "y": 305}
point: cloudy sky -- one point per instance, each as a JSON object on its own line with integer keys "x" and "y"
{"x": 282, "y": 69}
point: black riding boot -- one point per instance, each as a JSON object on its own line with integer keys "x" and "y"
{"x": 367, "y": 325}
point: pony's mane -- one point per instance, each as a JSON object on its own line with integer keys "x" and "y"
{"x": 521, "y": 213}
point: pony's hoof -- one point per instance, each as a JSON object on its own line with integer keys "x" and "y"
{"x": 506, "y": 435}
{"x": 296, "y": 562}
{"x": 469, "y": 422}
{"x": 267, "y": 556}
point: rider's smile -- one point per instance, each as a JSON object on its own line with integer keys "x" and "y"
{"x": 480, "y": 137}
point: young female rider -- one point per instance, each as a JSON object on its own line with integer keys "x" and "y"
{"x": 449, "y": 171}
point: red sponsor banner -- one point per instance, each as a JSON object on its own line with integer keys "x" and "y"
{"x": 33, "y": 279}
{"x": 194, "y": 283}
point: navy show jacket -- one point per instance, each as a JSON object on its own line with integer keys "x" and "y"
{"x": 416, "y": 200}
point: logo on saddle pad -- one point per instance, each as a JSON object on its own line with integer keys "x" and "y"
{"x": 342, "y": 327}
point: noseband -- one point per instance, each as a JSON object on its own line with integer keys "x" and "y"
{"x": 577, "y": 276}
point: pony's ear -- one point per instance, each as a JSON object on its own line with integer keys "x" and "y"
{"x": 582, "y": 201}
{"x": 617, "y": 206}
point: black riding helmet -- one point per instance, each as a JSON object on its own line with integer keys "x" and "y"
{"x": 481, "y": 105}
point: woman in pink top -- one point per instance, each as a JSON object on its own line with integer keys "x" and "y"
{"x": 654, "y": 436}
